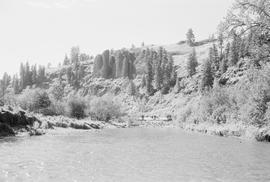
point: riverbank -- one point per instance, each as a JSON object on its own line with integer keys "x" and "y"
{"x": 230, "y": 130}
{"x": 239, "y": 130}
{"x": 14, "y": 121}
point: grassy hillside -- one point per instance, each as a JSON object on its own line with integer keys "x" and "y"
{"x": 181, "y": 51}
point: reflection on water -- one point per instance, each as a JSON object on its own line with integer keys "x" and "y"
{"x": 133, "y": 155}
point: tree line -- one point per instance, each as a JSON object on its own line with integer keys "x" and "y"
{"x": 221, "y": 56}
{"x": 74, "y": 67}
{"x": 160, "y": 73}
{"x": 29, "y": 75}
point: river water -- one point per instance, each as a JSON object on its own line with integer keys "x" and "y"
{"x": 132, "y": 155}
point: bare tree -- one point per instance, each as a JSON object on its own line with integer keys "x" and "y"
{"x": 248, "y": 14}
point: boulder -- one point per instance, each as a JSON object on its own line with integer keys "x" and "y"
{"x": 6, "y": 130}
{"x": 83, "y": 126}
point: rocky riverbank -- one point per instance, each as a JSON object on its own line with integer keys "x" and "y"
{"x": 18, "y": 122}
{"x": 230, "y": 130}
{"x": 14, "y": 121}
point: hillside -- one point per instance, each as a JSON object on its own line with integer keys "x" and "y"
{"x": 158, "y": 104}
{"x": 179, "y": 53}
{"x": 221, "y": 96}
{"x": 95, "y": 86}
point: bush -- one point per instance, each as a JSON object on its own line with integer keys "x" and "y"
{"x": 165, "y": 89}
{"x": 131, "y": 88}
{"x": 246, "y": 102}
{"x": 34, "y": 100}
{"x": 76, "y": 107}
{"x": 56, "y": 90}
{"x": 104, "y": 108}
{"x": 55, "y": 109}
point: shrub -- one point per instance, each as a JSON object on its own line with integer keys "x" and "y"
{"x": 214, "y": 106}
{"x": 184, "y": 114}
{"x": 57, "y": 90}
{"x": 34, "y": 100}
{"x": 165, "y": 89}
{"x": 219, "y": 115}
{"x": 131, "y": 88}
{"x": 55, "y": 109}
{"x": 104, "y": 108}
{"x": 76, "y": 107}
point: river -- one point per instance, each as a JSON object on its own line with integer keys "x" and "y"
{"x": 137, "y": 154}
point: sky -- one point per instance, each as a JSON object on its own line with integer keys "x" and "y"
{"x": 43, "y": 31}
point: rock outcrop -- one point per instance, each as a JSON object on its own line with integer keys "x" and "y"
{"x": 12, "y": 122}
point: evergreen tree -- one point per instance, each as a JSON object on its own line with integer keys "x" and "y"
{"x": 190, "y": 38}
{"x": 225, "y": 60}
{"x": 34, "y": 74}
{"x": 4, "y": 83}
{"x": 41, "y": 77}
{"x": 173, "y": 76}
{"x": 234, "y": 51}
{"x": 242, "y": 47}
{"x": 249, "y": 43}
{"x": 170, "y": 66}
{"x": 211, "y": 54}
{"x": 166, "y": 82}
{"x": 227, "y": 50}
{"x": 83, "y": 57}
{"x": 192, "y": 63}
{"x": 207, "y": 75}
{"x": 172, "y": 70}
{"x": 224, "y": 65}
{"x": 149, "y": 78}
{"x": 215, "y": 59}
{"x": 69, "y": 74}
{"x": 76, "y": 75}
{"x": 158, "y": 76}
{"x": 165, "y": 69}
{"x": 74, "y": 54}
{"x": 221, "y": 44}
{"x": 27, "y": 74}
{"x": 66, "y": 61}
{"x": 22, "y": 77}
{"x": 81, "y": 72}
{"x": 159, "y": 67}
{"x": 177, "y": 86}
{"x": 143, "y": 81}
{"x": 16, "y": 84}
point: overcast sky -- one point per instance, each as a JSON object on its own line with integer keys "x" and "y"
{"x": 42, "y": 31}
